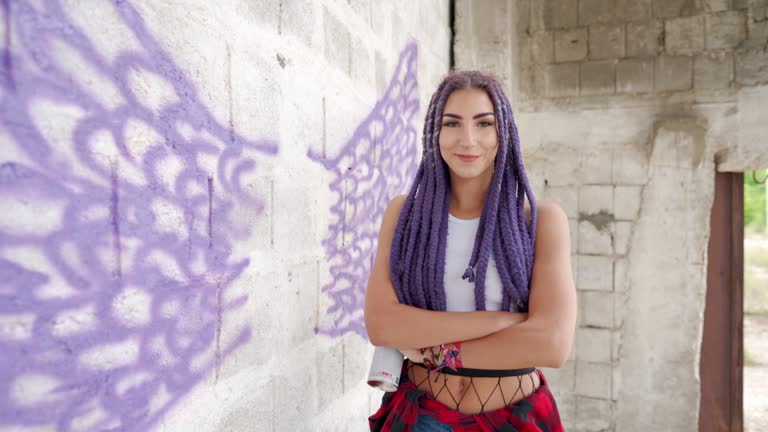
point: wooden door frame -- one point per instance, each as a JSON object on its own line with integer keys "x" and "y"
{"x": 721, "y": 364}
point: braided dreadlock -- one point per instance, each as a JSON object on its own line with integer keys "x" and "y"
{"x": 417, "y": 260}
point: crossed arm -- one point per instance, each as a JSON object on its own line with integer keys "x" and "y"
{"x": 490, "y": 339}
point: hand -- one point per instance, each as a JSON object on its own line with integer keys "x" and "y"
{"x": 413, "y": 354}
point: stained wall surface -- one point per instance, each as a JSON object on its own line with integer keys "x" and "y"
{"x": 626, "y": 111}
{"x": 191, "y": 193}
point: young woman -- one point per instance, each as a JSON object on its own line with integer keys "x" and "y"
{"x": 469, "y": 282}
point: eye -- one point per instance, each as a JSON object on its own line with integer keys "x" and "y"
{"x": 451, "y": 123}
{"x": 485, "y": 124}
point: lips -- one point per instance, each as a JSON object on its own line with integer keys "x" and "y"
{"x": 467, "y": 158}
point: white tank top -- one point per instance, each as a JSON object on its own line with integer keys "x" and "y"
{"x": 460, "y": 293}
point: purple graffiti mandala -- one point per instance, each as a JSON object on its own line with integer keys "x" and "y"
{"x": 117, "y": 232}
{"x": 377, "y": 163}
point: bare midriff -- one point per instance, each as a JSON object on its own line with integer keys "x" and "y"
{"x": 472, "y": 395}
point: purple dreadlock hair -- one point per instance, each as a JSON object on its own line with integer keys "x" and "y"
{"x": 417, "y": 260}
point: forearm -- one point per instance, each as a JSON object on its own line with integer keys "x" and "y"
{"x": 528, "y": 344}
{"x": 403, "y": 326}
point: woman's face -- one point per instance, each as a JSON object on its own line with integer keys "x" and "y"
{"x": 469, "y": 129}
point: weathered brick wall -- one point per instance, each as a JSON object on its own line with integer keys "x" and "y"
{"x": 626, "y": 109}
{"x": 616, "y": 47}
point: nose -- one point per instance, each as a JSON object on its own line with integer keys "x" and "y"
{"x": 467, "y": 136}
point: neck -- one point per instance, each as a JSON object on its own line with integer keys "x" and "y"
{"x": 468, "y": 195}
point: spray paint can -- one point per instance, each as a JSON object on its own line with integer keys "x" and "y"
{"x": 386, "y": 366}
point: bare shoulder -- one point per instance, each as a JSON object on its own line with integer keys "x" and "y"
{"x": 549, "y": 212}
{"x": 552, "y": 229}
{"x": 394, "y": 206}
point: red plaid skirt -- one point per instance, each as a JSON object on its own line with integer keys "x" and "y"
{"x": 400, "y": 410}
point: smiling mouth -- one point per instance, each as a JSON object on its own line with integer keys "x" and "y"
{"x": 467, "y": 158}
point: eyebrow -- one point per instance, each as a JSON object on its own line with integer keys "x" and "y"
{"x": 473, "y": 117}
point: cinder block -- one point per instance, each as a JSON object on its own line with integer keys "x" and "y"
{"x": 643, "y": 38}
{"x": 634, "y": 76}
{"x": 255, "y": 221}
{"x": 757, "y": 28}
{"x": 593, "y": 415}
{"x": 566, "y": 197}
{"x": 560, "y": 13}
{"x": 526, "y": 83}
{"x": 595, "y": 272}
{"x": 298, "y": 287}
{"x": 566, "y": 405}
{"x": 741, "y": 4}
{"x": 594, "y": 199}
{"x": 670, "y": 8}
{"x": 290, "y": 411}
{"x": 716, "y": 5}
{"x": 712, "y": 70}
{"x": 265, "y": 12}
{"x": 337, "y": 41}
{"x": 562, "y": 80}
{"x": 595, "y": 165}
{"x": 362, "y": 9}
{"x": 626, "y": 202}
{"x": 606, "y": 41}
{"x": 381, "y": 73}
{"x": 598, "y": 77}
{"x": 525, "y": 55}
{"x": 361, "y": 66}
{"x": 725, "y": 30}
{"x": 595, "y": 234}
{"x": 356, "y": 360}
{"x": 630, "y": 166}
{"x": 376, "y": 400}
{"x": 523, "y": 16}
{"x": 382, "y": 22}
{"x": 596, "y": 308}
{"x": 295, "y": 229}
{"x": 488, "y": 23}
{"x": 573, "y": 228}
{"x": 561, "y": 380}
{"x": 622, "y": 231}
{"x": 684, "y": 35}
{"x": 593, "y": 345}
{"x": 594, "y": 380}
{"x": 262, "y": 316}
{"x": 298, "y": 19}
{"x": 616, "y": 384}
{"x": 542, "y": 50}
{"x": 399, "y": 29}
{"x": 538, "y": 80}
{"x": 751, "y": 67}
{"x": 619, "y": 310}
{"x": 538, "y": 11}
{"x": 633, "y": 10}
{"x": 620, "y": 275}
{"x": 570, "y": 45}
{"x": 244, "y": 411}
{"x": 673, "y": 73}
{"x": 330, "y": 381}
{"x": 254, "y": 101}
{"x": 596, "y": 11}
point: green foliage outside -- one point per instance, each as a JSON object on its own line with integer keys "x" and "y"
{"x": 756, "y": 242}
{"x": 754, "y": 201}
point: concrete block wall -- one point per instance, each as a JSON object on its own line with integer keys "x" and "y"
{"x": 626, "y": 110}
{"x": 190, "y": 195}
{"x": 643, "y": 49}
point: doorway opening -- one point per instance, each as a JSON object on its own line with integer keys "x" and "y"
{"x": 755, "y": 302}
{"x": 734, "y": 349}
